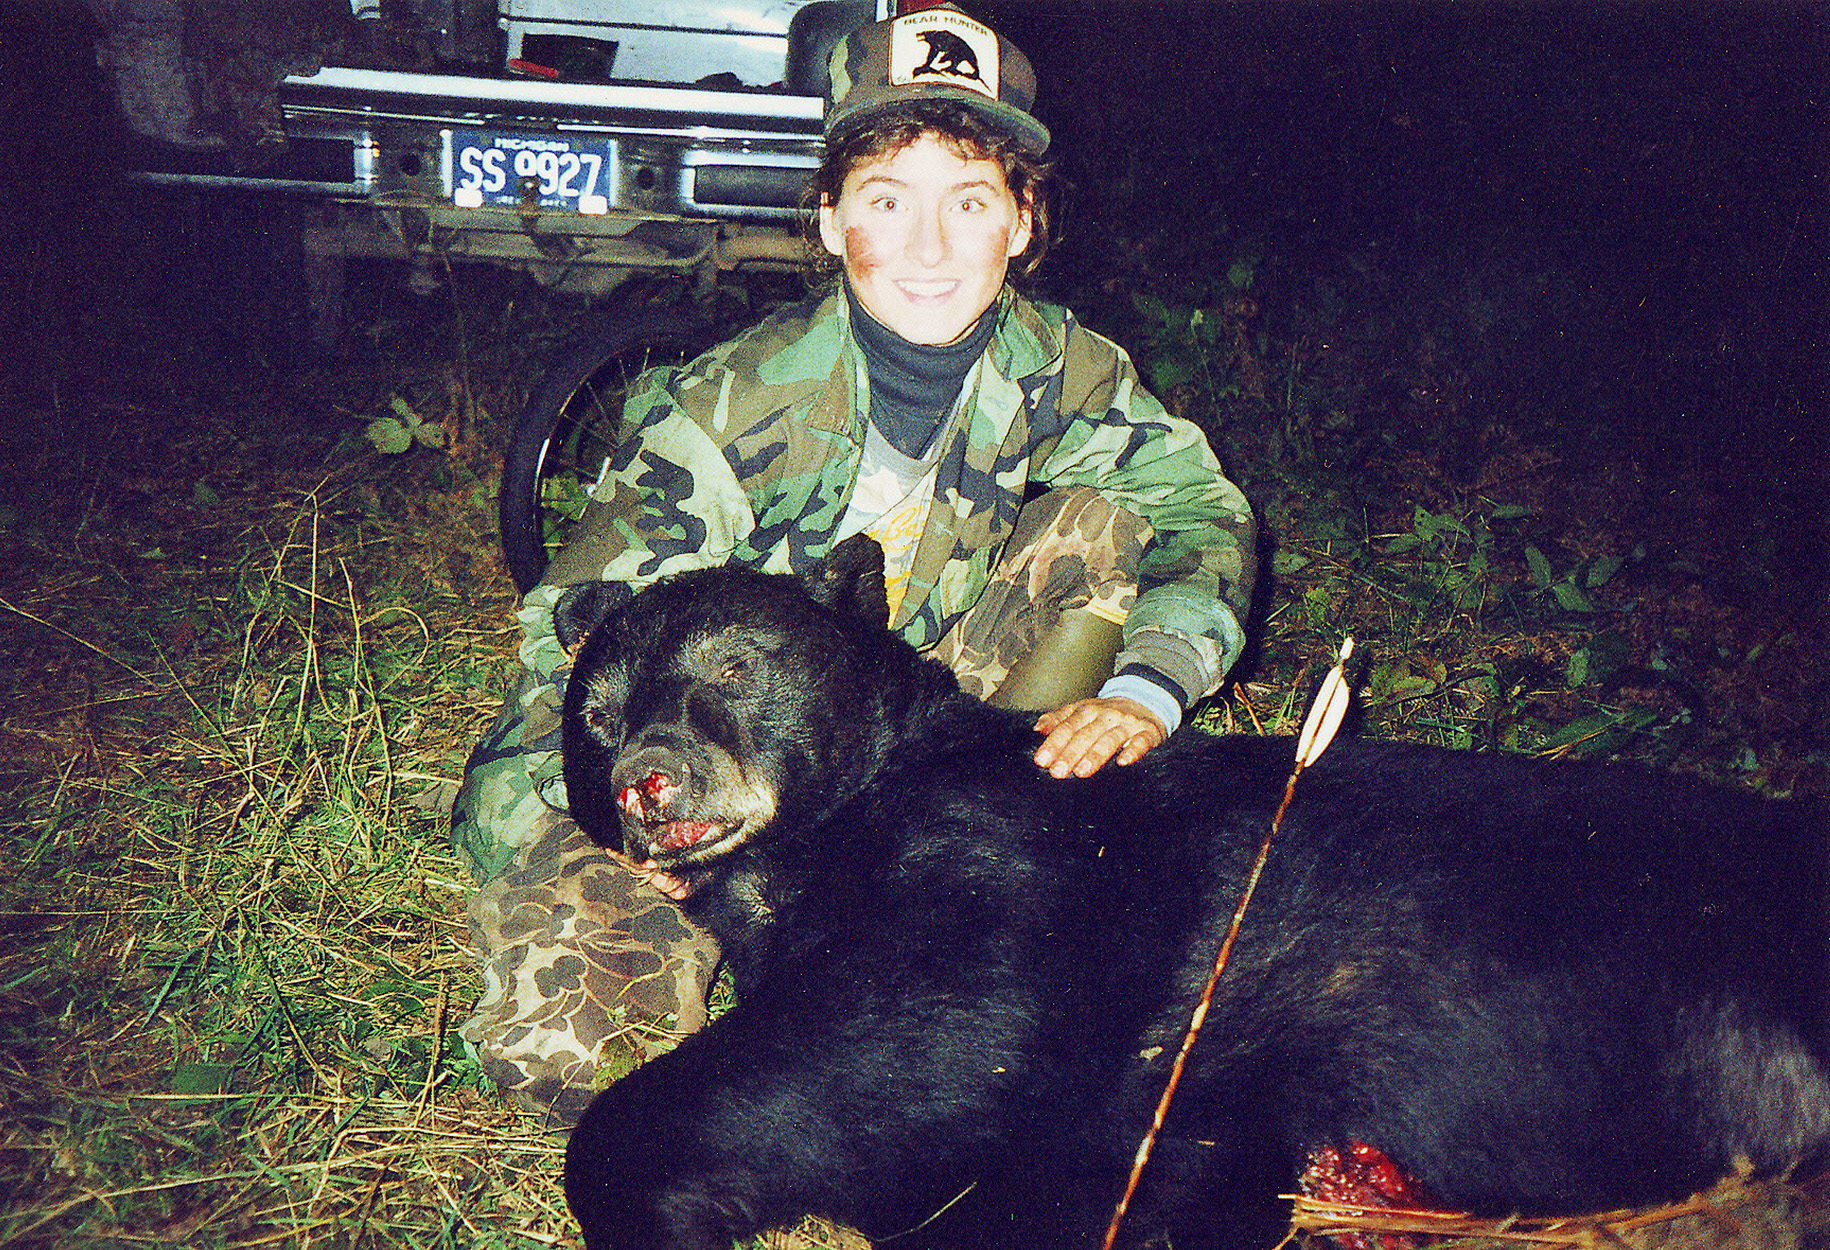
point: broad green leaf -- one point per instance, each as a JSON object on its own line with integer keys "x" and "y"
{"x": 1152, "y": 309}
{"x": 1316, "y": 606}
{"x": 1434, "y": 524}
{"x": 1540, "y": 567}
{"x": 1576, "y": 731}
{"x": 1409, "y": 686}
{"x": 389, "y": 436}
{"x": 1166, "y": 373}
{"x": 1570, "y": 599}
{"x": 1603, "y": 570}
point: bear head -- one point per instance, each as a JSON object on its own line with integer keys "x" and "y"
{"x": 691, "y": 722}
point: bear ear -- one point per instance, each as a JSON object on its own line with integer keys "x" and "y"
{"x": 581, "y": 608}
{"x": 851, "y": 581}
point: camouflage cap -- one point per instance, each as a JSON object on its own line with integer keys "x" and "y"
{"x": 936, "y": 53}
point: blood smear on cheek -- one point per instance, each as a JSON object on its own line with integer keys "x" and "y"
{"x": 860, "y": 256}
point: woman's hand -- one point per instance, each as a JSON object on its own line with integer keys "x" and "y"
{"x": 1083, "y": 735}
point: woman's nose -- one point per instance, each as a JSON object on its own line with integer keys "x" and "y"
{"x": 927, "y": 242}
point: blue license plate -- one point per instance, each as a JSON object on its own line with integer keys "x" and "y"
{"x": 555, "y": 171}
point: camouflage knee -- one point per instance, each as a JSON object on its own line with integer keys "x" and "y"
{"x": 586, "y": 972}
{"x": 500, "y": 806}
{"x": 1071, "y": 549}
{"x": 496, "y": 809}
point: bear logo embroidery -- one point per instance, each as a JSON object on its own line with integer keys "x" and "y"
{"x": 950, "y": 55}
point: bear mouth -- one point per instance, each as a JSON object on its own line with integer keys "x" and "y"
{"x": 684, "y": 843}
{"x": 677, "y": 835}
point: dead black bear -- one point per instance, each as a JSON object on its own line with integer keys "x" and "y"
{"x": 961, "y": 982}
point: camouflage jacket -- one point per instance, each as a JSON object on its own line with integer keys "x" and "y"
{"x": 750, "y": 454}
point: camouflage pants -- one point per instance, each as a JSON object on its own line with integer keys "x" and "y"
{"x": 586, "y": 971}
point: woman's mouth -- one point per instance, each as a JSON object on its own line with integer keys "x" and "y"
{"x": 927, "y": 290}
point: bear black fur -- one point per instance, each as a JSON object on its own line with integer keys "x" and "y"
{"x": 961, "y": 982}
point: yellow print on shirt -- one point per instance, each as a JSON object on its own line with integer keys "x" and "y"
{"x": 898, "y": 531}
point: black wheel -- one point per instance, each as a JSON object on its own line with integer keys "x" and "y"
{"x": 570, "y": 426}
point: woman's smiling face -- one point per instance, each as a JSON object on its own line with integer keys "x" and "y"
{"x": 926, "y": 235}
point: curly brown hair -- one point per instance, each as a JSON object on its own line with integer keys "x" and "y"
{"x": 967, "y": 132}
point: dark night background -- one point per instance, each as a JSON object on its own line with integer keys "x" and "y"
{"x": 1563, "y": 256}
{"x": 1612, "y": 216}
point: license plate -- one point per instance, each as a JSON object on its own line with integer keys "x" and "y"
{"x": 554, "y": 171}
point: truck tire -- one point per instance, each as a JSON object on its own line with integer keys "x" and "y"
{"x": 572, "y": 423}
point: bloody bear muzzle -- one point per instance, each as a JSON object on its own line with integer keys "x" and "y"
{"x": 646, "y": 802}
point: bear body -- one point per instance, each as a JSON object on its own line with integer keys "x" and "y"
{"x": 961, "y": 982}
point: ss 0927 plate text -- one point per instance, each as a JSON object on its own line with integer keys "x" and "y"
{"x": 554, "y": 171}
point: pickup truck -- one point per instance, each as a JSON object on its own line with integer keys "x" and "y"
{"x": 579, "y": 141}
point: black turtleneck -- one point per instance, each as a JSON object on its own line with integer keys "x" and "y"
{"x": 914, "y": 385}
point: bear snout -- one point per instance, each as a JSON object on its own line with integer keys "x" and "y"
{"x": 647, "y": 797}
{"x": 650, "y": 780}
{"x": 658, "y": 794}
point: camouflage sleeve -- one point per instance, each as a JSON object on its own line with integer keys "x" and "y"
{"x": 670, "y": 502}
{"x": 1195, "y": 577}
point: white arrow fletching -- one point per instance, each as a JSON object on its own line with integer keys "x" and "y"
{"x": 1331, "y": 704}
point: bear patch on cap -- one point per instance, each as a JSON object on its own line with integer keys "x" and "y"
{"x": 944, "y": 48}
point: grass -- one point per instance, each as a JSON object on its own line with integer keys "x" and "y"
{"x": 1737, "y": 1212}
{"x": 246, "y": 655}
{"x": 237, "y": 967}
{"x": 246, "y": 652}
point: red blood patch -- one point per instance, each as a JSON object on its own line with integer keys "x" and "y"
{"x": 1364, "y": 1177}
{"x": 657, "y": 789}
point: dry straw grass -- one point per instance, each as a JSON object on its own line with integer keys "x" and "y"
{"x": 236, "y": 966}
{"x": 1772, "y": 1214}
